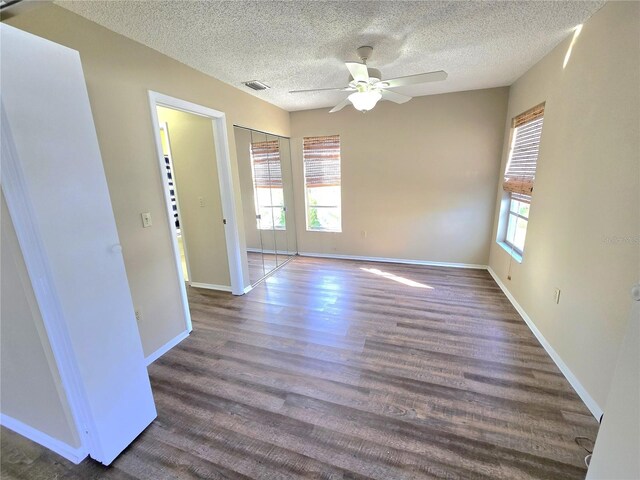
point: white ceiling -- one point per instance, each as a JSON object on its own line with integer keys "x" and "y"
{"x": 303, "y": 44}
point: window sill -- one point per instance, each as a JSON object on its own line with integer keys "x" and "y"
{"x": 323, "y": 230}
{"x": 517, "y": 257}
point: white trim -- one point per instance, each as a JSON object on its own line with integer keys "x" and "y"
{"x": 588, "y": 400}
{"x": 22, "y": 214}
{"x": 225, "y": 176}
{"x": 511, "y": 251}
{"x": 393, "y": 260}
{"x": 274, "y": 252}
{"x": 73, "y": 454}
{"x": 211, "y": 286}
{"x": 248, "y": 289}
{"x": 225, "y": 179}
{"x": 165, "y": 348}
{"x": 173, "y": 233}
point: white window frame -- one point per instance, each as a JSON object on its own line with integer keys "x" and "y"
{"x": 306, "y": 200}
{"x": 512, "y": 217}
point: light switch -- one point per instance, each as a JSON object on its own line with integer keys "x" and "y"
{"x": 146, "y": 219}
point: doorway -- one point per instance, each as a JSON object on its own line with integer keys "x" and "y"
{"x": 211, "y": 246}
{"x": 194, "y": 192}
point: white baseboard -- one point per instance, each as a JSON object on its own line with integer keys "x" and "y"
{"x": 73, "y": 454}
{"x": 210, "y": 286}
{"x": 166, "y": 347}
{"x": 588, "y": 400}
{"x": 392, "y": 260}
{"x": 248, "y": 289}
{"x": 279, "y": 252}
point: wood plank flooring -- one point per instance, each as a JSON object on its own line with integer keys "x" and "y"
{"x": 341, "y": 369}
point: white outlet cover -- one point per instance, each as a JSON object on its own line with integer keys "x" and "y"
{"x": 146, "y": 219}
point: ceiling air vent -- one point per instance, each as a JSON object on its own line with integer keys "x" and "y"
{"x": 256, "y": 85}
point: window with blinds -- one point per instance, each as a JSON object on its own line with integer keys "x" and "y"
{"x": 520, "y": 175}
{"x": 523, "y": 155}
{"x": 267, "y": 185}
{"x": 321, "y": 159}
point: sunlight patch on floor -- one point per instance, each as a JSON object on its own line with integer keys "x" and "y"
{"x": 396, "y": 278}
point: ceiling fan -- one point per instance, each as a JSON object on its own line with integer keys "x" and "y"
{"x": 368, "y": 87}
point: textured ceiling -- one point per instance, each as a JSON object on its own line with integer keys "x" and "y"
{"x": 304, "y": 44}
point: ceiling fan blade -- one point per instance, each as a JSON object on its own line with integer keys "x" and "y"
{"x": 340, "y": 106}
{"x": 358, "y": 71}
{"x": 343, "y": 89}
{"x": 394, "y": 97}
{"x": 415, "y": 79}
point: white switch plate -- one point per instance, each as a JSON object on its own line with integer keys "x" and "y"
{"x": 556, "y": 295}
{"x": 146, "y": 219}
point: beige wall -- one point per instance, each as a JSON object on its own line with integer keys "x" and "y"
{"x": 418, "y": 178}
{"x": 31, "y": 389}
{"x": 584, "y": 222}
{"x": 119, "y": 72}
{"x": 196, "y": 176}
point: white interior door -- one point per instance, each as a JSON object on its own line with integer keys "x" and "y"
{"x": 54, "y": 183}
{"x": 615, "y": 455}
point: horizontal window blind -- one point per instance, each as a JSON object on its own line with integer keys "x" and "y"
{"x": 322, "y": 161}
{"x": 265, "y": 157}
{"x": 523, "y": 157}
{"x": 520, "y": 197}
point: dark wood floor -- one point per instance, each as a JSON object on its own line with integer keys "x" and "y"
{"x": 340, "y": 369}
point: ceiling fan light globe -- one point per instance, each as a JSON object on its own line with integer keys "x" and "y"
{"x": 365, "y": 101}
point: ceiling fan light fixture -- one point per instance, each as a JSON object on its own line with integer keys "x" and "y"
{"x": 365, "y": 101}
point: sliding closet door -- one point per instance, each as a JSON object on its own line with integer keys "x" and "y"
{"x": 264, "y": 166}
{"x": 286, "y": 239}
{"x": 261, "y": 151}
{"x": 56, "y": 192}
{"x": 276, "y": 192}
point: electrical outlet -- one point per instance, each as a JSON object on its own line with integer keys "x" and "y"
{"x": 556, "y": 295}
{"x": 146, "y": 219}
{"x": 138, "y": 316}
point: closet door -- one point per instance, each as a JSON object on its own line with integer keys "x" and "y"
{"x": 286, "y": 237}
{"x": 261, "y": 153}
{"x": 56, "y": 192}
{"x": 278, "y": 210}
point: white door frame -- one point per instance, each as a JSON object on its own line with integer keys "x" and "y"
{"x": 225, "y": 179}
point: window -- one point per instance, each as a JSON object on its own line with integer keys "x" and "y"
{"x": 517, "y": 224}
{"x": 267, "y": 185}
{"x": 521, "y": 173}
{"x": 321, "y": 158}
